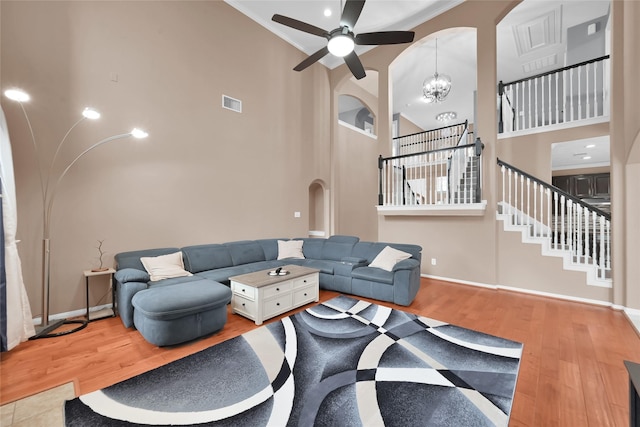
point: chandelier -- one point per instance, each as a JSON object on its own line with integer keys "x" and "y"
{"x": 436, "y": 88}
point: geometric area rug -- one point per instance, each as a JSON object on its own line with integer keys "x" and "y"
{"x": 344, "y": 362}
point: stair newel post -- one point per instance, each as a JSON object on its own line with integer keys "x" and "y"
{"x": 500, "y": 94}
{"x": 380, "y": 197}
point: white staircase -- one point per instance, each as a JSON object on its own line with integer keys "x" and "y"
{"x": 534, "y": 232}
{"x": 563, "y": 226}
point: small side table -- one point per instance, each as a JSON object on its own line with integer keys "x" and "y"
{"x": 87, "y": 275}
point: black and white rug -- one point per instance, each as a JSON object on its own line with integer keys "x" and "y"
{"x": 341, "y": 363}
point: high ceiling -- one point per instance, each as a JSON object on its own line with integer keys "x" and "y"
{"x": 531, "y": 39}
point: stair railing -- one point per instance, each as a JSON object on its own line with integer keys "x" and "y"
{"x": 434, "y": 139}
{"x": 573, "y": 93}
{"x": 425, "y": 178}
{"x": 564, "y": 220}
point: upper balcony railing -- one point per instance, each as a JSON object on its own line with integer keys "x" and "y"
{"x": 434, "y": 139}
{"x": 444, "y": 172}
{"x": 575, "y": 93}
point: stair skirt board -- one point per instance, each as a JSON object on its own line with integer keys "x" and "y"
{"x": 544, "y": 240}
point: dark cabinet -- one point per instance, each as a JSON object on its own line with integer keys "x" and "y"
{"x": 585, "y": 186}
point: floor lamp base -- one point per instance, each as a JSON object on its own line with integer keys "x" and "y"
{"x": 46, "y": 331}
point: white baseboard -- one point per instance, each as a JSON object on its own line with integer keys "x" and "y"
{"x": 529, "y": 291}
{"x": 69, "y": 314}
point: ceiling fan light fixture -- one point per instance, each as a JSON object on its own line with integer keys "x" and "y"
{"x": 341, "y": 45}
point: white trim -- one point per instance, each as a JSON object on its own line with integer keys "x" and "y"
{"x": 634, "y": 317}
{"x": 75, "y": 313}
{"x": 526, "y": 291}
{"x": 551, "y": 128}
{"x": 461, "y": 209}
{"x": 352, "y": 127}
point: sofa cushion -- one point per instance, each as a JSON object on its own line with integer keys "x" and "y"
{"x": 337, "y": 247}
{"x": 373, "y": 274}
{"x": 165, "y": 266}
{"x": 222, "y": 274}
{"x": 270, "y": 247}
{"x": 290, "y": 249}
{"x": 319, "y": 264}
{"x": 206, "y": 257}
{"x": 131, "y": 259}
{"x": 312, "y": 248}
{"x": 245, "y": 252}
{"x": 131, "y": 275}
{"x": 388, "y": 258}
{"x": 172, "y": 302}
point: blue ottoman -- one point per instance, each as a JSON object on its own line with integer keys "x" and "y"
{"x": 174, "y": 314}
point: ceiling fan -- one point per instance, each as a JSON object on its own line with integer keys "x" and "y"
{"x": 342, "y": 40}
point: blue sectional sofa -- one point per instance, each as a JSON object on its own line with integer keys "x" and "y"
{"x": 343, "y": 262}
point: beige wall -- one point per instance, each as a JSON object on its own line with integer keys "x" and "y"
{"x": 204, "y": 175}
{"x": 407, "y": 127}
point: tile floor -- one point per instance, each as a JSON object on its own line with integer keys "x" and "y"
{"x": 40, "y": 410}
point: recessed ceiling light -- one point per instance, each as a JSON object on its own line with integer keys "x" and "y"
{"x": 327, "y": 12}
{"x": 586, "y": 158}
{"x": 590, "y": 146}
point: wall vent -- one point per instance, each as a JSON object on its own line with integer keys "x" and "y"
{"x": 231, "y": 103}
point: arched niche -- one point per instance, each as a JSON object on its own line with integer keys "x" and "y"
{"x": 318, "y": 209}
{"x": 358, "y": 102}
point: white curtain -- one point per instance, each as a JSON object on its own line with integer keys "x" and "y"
{"x": 19, "y": 322}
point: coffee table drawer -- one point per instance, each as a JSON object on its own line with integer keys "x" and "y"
{"x": 305, "y": 281}
{"x": 277, "y": 305}
{"x": 305, "y": 295}
{"x": 244, "y": 306}
{"x": 278, "y": 289}
{"x": 243, "y": 290}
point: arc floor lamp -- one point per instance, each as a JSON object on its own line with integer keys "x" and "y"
{"x": 46, "y": 328}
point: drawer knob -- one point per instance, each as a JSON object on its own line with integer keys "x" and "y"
{"x": 277, "y": 303}
{"x": 278, "y": 289}
{"x": 243, "y": 304}
{"x": 243, "y": 290}
{"x": 305, "y": 294}
{"x": 305, "y": 280}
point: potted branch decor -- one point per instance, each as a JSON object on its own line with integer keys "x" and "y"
{"x": 101, "y": 254}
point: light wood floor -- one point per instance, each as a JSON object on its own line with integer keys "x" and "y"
{"x": 572, "y": 371}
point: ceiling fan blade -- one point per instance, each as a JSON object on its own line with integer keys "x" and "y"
{"x": 385, "y": 37}
{"x": 311, "y": 59}
{"x": 354, "y": 64}
{"x": 299, "y": 25}
{"x": 351, "y": 13}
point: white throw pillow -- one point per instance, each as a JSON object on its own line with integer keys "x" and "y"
{"x": 388, "y": 258}
{"x": 165, "y": 266}
{"x": 290, "y": 249}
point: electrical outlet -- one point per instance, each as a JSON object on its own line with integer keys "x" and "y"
{"x": 433, "y": 261}
{"x": 296, "y": 214}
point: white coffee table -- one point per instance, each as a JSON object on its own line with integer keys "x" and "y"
{"x": 260, "y": 296}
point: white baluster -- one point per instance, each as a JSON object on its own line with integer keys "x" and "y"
{"x": 601, "y": 263}
{"x": 608, "y": 240}
{"x": 528, "y": 203}
{"x": 579, "y": 90}
{"x": 521, "y": 199}
{"x": 595, "y": 89}
{"x": 587, "y": 98}
{"x": 563, "y": 237}
{"x": 549, "y": 222}
{"x": 564, "y": 96}
{"x": 579, "y": 233}
{"x": 535, "y": 103}
{"x": 515, "y": 197}
{"x": 587, "y": 252}
{"x": 509, "y": 198}
{"x": 555, "y": 221}
{"x": 535, "y": 204}
{"x": 502, "y": 170}
{"x": 541, "y": 210}
{"x": 570, "y": 226}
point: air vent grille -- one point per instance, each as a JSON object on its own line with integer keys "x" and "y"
{"x": 231, "y": 104}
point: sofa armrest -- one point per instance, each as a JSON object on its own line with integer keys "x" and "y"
{"x": 131, "y": 275}
{"x": 406, "y": 264}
